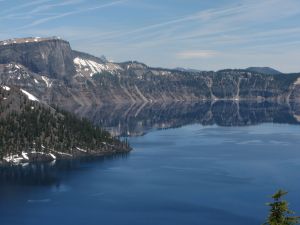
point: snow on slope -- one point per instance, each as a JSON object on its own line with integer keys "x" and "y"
{"x": 297, "y": 82}
{"x": 19, "y": 75}
{"x": 6, "y": 88}
{"x": 16, "y": 71}
{"x": 30, "y": 96}
{"x": 47, "y": 81}
{"x": 89, "y": 67}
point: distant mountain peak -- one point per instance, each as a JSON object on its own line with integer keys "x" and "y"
{"x": 187, "y": 70}
{"x": 264, "y": 70}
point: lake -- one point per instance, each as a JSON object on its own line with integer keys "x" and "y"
{"x": 202, "y": 163}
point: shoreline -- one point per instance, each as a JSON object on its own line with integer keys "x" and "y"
{"x": 52, "y": 156}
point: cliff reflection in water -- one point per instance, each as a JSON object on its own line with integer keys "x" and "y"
{"x": 136, "y": 120}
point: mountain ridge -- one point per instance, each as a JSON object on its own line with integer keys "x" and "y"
{"x": 77, "y": 78}
{"x": 264, "y": 70}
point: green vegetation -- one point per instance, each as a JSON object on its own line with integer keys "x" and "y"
{"x": 280, "y": 214}
{"x": 29, "y": 125}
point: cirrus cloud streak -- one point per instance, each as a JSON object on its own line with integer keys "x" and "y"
{"x": 202, "y": 54}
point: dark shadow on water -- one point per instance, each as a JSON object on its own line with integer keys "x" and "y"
{"x": 50, "y": 173}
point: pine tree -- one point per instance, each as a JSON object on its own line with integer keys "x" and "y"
{"x": 279, "y": 211}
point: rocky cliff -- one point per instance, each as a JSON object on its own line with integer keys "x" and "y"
{"x": 50, "y": 57}
{"x": 48, "y": 68}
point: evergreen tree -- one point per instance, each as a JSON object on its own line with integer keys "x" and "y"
{"x": 26, "y": 126}
{"x": 279, "y": 211}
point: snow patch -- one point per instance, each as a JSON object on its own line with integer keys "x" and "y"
{"x": 297, "y": 81}
{"x": 47, "y": 81}
{"x": 62, "y": 153}
{"x": 30, "y": 96}
{"x": 80, "y": 149}
{"x": 6, "y": 88}
{"x": 92, "y": 67}
{"x": 13, "y": 158}
{"x": 53, "y": 156}
{"x": 25, "y": 156}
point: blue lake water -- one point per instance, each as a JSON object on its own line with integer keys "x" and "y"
{"x": 190, "y": 175}
{"x": 218, "y": 163}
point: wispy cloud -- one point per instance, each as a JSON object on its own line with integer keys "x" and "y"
{"x": 30, "y": 10}
{"x": 174, "y": 31}
{"x": 197, "y": 54}
{"x": 233, "y": 20}
{"x": 74, "y": 12}
{"x": 47, "y": 7}
{"x": 16, "y": 8}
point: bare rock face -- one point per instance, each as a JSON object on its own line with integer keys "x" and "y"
{"x": 295, "y": 93}
{"x": 51, "y": 57}
{"x": 50, "y": 69}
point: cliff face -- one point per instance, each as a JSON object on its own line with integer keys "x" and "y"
{"x": 178, "y": 86}
{"x": 135, "y": 82}
{"x": 51, "y": 57}
{"x": 295, "y": 93}
{"x": 48, "y": 68}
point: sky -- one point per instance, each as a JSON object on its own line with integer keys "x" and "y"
{"x": 198, "y": 34}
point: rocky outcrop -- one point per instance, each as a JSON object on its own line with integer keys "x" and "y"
{"x": 50, "y": 57}
{"x": 295, "y": 93}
